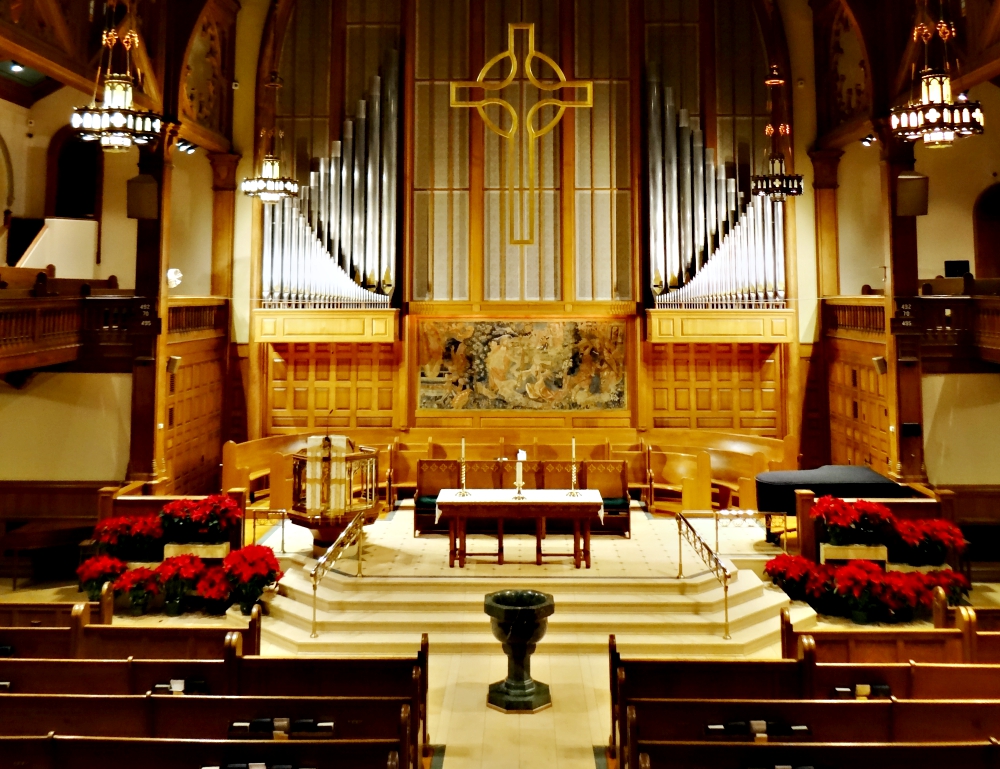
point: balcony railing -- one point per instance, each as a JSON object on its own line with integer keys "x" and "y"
{"x": 855, "y": 317}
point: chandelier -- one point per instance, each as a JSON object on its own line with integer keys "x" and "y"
{"x": 777, "y": 183}
{"x": 934, "y": 116}
{"x": 270, "y": 186}
{"x": 114, "y": 120}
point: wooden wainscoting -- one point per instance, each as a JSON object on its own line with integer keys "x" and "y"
{"x": 859, "y": 405}
{"x": 815, "y": 445}
{"x": 198, "y": 333}
{"x": 318, "y": 386}
{"x": 735, "y": 387}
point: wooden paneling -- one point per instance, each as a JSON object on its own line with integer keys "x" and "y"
{"x": 718, "y": 387}
{"x": 859, "y": 409}
{"x": 815, "y": 444}
{"x": 710, "y": 326}
{"x": 281, "y": 326}
{"x": 319, "y": 386}
{"x": 31, "y": 500}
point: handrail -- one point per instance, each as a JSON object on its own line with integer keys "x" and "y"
{"x": 686, "y": 531}
{"x": 353, "y": 534}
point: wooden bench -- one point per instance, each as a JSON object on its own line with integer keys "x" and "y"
{"x": 55, "y": 614}
{"x": 84, "y": 640}
{"x": 58, "y": 752}
{"x": 206, "y": 717}
{"x": 248, "y": 465}
{"x": 684, "y": 479}
{"x": 875, "y": 645}
{"x": 722, "y": 755}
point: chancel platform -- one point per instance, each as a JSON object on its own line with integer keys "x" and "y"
{"x": 631, "y": 590}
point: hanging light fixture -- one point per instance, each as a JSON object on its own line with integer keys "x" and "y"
{"x": 269, "y": 185}
{"x": 777, "y": 183}
{"x": 933, "y": 115}
{"x": 113, "y": 119}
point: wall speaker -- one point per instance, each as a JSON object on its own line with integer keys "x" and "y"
{"x": 173, "y": 364}
{"x": 143, "y": 198}
{"x": 911, "y": 194}
{"x": 880, "y": 363}
{"x": 956, "y": 268}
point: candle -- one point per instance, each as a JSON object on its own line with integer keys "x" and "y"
{"x": 463, "y": 449}
{"x": 574, "y": 449}
{"x": 518, "y": 483}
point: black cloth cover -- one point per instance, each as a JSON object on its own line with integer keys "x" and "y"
{"x": 776, "y": 491}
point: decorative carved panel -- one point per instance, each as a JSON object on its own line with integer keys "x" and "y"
{"x": 859, "y": 417}
{"x": 718, "y": 387}
{"x": 319, "y": 386}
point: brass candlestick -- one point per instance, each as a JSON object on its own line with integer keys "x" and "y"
{"x": 573, "y": 492}
{"x": 519, "y": 485}
{"x": 464, "y": 492}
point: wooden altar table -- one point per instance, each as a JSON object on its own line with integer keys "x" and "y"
{"x": 500, "y": 504}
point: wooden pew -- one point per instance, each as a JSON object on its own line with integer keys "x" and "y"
{"x": 58, "y": 752}
{"x": 881, "y": 645}
{"x": 84, "y": 640}
{"x": 204, "y": 718}
{"x": 54, "y": 614}
{"x": 248, "y": 465}
{"x": 686, "y": 478}
{"x": 987, "y": 617}
{"x": 722, "y": 755}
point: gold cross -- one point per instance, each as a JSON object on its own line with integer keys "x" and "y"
{"x": 511, "y": 134}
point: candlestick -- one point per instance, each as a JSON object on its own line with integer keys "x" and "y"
{"x": 519, "y": 482}
{"x": 464, "y": 492}
{"x": 573, "y": 492}
{"x": 574, "y": 449}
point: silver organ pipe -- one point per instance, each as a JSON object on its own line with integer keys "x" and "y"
{"x": 712, "y": 246}
{"x": 335, "y": 246}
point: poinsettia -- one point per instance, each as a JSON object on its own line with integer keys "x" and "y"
{"x": 94, "y": 572}
{"x": 214, "y": 585}
{"x": 179, "y": 574}
{"x": 131, "y": 537}
{"x": 210, "y": 519}
{"x": 250, "y": 570}
{"x": 140, "y": 585}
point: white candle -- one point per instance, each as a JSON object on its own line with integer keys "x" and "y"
{"x": 463, "y": 449}
{"x": 574, "y": 449}
{"x": 519, "y": 474}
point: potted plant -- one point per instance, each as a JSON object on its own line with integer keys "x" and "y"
{"x": 178, "y": 575}
{"x": 139, "y": 585}
{"x": 925, "y": 542}
{"x": 854, "y": 582}
{"x": 94, "y": 572}
{"x": 201, "y": 527}
{"x": 214, "y": 590}
{"x": 131, "y": 538}
{"x": 250, "y": 570}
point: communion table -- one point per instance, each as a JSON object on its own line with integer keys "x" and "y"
{"x": 502, "y": 504}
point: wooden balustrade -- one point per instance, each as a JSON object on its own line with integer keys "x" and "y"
{"x": 986, "y": 327}
{"x": 198, "y": 315}
{"x": 854, "y": 317}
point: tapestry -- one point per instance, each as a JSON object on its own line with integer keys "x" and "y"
{"x": 518, "y": 365}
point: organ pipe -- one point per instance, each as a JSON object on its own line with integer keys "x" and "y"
{"x": 710, "y": 246}
{"x": 334, "y": 247}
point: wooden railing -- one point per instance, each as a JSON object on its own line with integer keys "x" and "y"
{"x": 854, "y": 317}
{"x": 986, "y": 327}
{"x": 198, "y": 315}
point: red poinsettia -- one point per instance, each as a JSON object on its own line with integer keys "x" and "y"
{"x": 131, "y": 537}
{"x": 250, "y": 570}
{"x": 214, "y": 585}
{"x": 140, "y": 585}
{"x": 179, "y": 574}
{"x": 210, "y": 519}
{"x": 834, "y": 512}
{"x": 94, "y": 572}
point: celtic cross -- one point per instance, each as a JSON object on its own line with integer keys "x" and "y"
{"x": 534, "y": 132}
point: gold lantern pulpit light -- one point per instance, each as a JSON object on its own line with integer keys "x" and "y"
{"x": 512, "y": 132}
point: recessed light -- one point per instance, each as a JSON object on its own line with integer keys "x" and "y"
{"x": 15, "y": 67}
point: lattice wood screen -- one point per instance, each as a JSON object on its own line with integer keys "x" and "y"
{"x": 718, "y": 387}
{"x": 316, "y": 386}
{"x": 441, "y": 154}
{"x": 194, "y": 413}
{"x": 859, "y": 418}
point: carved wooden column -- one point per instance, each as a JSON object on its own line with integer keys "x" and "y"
{"x": 825, "y": 184}
{"x": 146, "y": 444}
{"x": 223, "y": 217}
{"x": 906, "y": 440}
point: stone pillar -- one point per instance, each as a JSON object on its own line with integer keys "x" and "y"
{"x": 223, "y": 216}
{"x": 825, "y": 184}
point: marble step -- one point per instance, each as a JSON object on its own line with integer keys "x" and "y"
{"x": 710, "y": 621}
{"x": 289, "y": 639}
{"x": 331, "y": 597}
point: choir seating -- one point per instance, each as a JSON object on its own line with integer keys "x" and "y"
{"x": 85, "y": 640}
{"x": 610, "y": 477}
{"x": 680, "y": 481}
{"x": 59, "y": 752}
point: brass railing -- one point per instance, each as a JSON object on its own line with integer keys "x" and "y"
{"x": 723, "y": 517}
{"x": 686, "y": 531}
{"x": 354, "y": 535}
